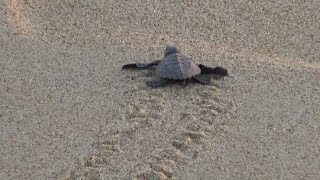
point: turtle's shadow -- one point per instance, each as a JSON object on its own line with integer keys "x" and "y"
{"x": 150, "y": 73}
{"x": 185, "y": 82}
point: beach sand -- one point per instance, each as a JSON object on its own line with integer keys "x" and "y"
{"x": 68, "y": 111}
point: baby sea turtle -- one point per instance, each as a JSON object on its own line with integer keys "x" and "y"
{"x": 177, "y": 66}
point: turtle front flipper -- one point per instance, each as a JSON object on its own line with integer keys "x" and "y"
{"x": 202, "y": 79}
{"x": 157, "y": 82}
{"x": 217, "y": 70}
{"x": 141, "y": 65}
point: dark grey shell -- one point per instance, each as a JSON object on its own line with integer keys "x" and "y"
{"x": 177, "y": 66}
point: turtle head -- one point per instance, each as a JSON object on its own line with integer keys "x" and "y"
{"x": 170, "y": 49}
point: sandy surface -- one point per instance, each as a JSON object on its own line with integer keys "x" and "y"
{"x": 67, "y": 110}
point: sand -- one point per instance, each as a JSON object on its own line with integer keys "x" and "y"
{"x": 68, "y": 111}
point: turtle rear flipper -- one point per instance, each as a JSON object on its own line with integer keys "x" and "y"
{"x": 202, "y": 79}
{"x": 157, "y": 82}
{"x": 217, "y": 70}
{"x": 141, "y": 65}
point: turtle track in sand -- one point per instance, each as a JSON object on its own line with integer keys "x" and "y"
{"x": 158, "y": 131}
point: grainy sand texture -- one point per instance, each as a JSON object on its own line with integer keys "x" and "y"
{"x": 68, "y": 111}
